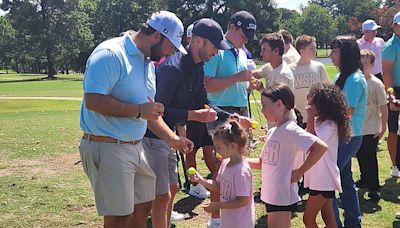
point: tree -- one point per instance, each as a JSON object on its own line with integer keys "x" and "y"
{"x": 317, "y": 22}
{"x": 7, "y": 35}
{"x": 289, "y": 20}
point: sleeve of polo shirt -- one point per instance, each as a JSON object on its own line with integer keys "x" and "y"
{"x": 210, "y": 67}
{"x": 102, "y": 72}
{"x": 354, "y": 91}
{"x": 389, "y": 53}
{"x": 168, "y": 82}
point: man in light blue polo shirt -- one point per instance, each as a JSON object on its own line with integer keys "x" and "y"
{"x": 118, "y": 107}
{"x": 226, "y": 77}
{"x": 391, "y": 78}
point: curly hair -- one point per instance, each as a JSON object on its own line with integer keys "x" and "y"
{"x": 331, "y": 105}
{"x": 231, "y": 132}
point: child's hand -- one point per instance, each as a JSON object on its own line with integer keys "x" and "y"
{"x": 296, "y": 175}
{"x": 193, "y": 175}
{"x": 210, "y": 207}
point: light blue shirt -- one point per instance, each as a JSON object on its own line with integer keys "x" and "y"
{"x": 355, "y": 91}
{"x": 224, "y": 64}
{"x": 391, "y": 52}
{"x": 117, "y": 68}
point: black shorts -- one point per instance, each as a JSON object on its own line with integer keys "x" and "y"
{"x": 198, "y": 133}
{"x": 393, "y": 117}
{"x": 325, "y": 194}
{"x": 274, "y": 208}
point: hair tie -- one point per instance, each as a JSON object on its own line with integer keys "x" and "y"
{"x": 228, "y": 127}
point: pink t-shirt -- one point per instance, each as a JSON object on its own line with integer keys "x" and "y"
{"x": 281, "y": 146}
{"x": 236, "y": 181}
{"x": 376, "y": 47}
{"x": 325, "y": 175}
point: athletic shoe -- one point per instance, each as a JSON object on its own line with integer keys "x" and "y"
{"x": 374, "y": 195}
{"x": 395, "y": 172}
{"x": 361, "y": 184}
{"x": 199, "y": 191}
{"x": 214, "y": 223}
{"x": 176, "y": 216}
{"x": 398, "y": 215}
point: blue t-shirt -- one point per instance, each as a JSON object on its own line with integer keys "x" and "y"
{"x": 224, "y": 64}
{"x": 117, "y": 68}
{"x": 355, "y": 91}
{"x": 391, "y": 52}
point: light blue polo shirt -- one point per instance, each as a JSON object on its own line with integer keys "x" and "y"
{"x": 117, "y": 68}
{"x": 391, "y": 52}
{"x": 224, "y": 64}
{"x": 355, "y": 91}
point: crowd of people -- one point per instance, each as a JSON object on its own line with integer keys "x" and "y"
{"x": 135, "y": 117}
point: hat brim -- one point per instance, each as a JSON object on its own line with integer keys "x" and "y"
{"x": 375, "y": 27}
{"x": 220, "y": 44}
{"x": 180, "y": 47}
{"x": 250, "y": 35}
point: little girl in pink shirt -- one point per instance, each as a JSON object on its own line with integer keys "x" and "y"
{"x": 328, "y": 119}
{"x": 234, "y": 181}
{"x": 282, "y": 144}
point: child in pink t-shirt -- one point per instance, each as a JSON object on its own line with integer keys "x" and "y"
{"x": 282, "y": 143}
{"x": 234, "y": 181}
{"x": 328, "y": 119}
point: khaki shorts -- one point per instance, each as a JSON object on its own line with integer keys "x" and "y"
{"x": 119, "y": 174}
{"x": 163, "y": 161}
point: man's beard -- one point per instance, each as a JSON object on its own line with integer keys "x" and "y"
{"x": 155, "y": 50}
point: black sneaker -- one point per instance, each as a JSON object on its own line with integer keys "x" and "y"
{"x": 374, "y": 195}
{"x": 360, "y": 184}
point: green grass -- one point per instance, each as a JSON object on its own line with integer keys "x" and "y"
{"x": 323, "y": 52}
{"x": 41, "y": 187}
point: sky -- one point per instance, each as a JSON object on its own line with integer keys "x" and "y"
{"x": 290, "y": 4}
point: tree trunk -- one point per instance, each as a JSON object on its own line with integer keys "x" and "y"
{"x": 51, "y": 71}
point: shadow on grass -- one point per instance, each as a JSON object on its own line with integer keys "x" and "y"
{"x": 390, "y": 191}
{"x": 187, "y": 205}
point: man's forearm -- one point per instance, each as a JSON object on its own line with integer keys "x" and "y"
{"x": 215, "y": 85}
{"x": 110, "y": 106}
{"x": 161, "y": 129}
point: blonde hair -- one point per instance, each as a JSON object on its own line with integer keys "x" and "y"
{"x": 368, "y": 54}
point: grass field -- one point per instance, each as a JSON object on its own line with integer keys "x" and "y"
{"x": 40, "y": 185}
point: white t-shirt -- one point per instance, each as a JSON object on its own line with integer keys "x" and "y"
{"x": 376, "y": 98}
{"x": 282, "y": 144}
{"x": 305, "y": 76}
{"x": 291, "y": 56}
{"x": 282, "y": 74}
{"x": 325, "y": 174}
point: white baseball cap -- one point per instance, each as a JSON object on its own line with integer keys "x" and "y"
{"x": 189, "y": 30}
{"x": 396, "y": 18}
{"x": 370, "y": 25}
{"x": 170, "y": 26}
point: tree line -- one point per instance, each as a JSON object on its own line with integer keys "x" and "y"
{"x": 57, "y": 36}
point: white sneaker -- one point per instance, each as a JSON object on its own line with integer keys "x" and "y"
{"x": 199, "y": 191}
{"x": 395, "y": 172}
{"x": 176, "y": 216}
{"x": 214, "y": 223}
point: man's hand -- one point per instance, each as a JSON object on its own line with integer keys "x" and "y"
{"x": 255, "y": 84}
{"x": 181, "y": 143}
{"x": 244, "y": 76}
{"x": 151, "y": 110}
{"x": 203, "y": 115}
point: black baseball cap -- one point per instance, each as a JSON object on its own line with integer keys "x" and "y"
{"x": 209, "y": 29}
{"x": 246, "y": 22}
